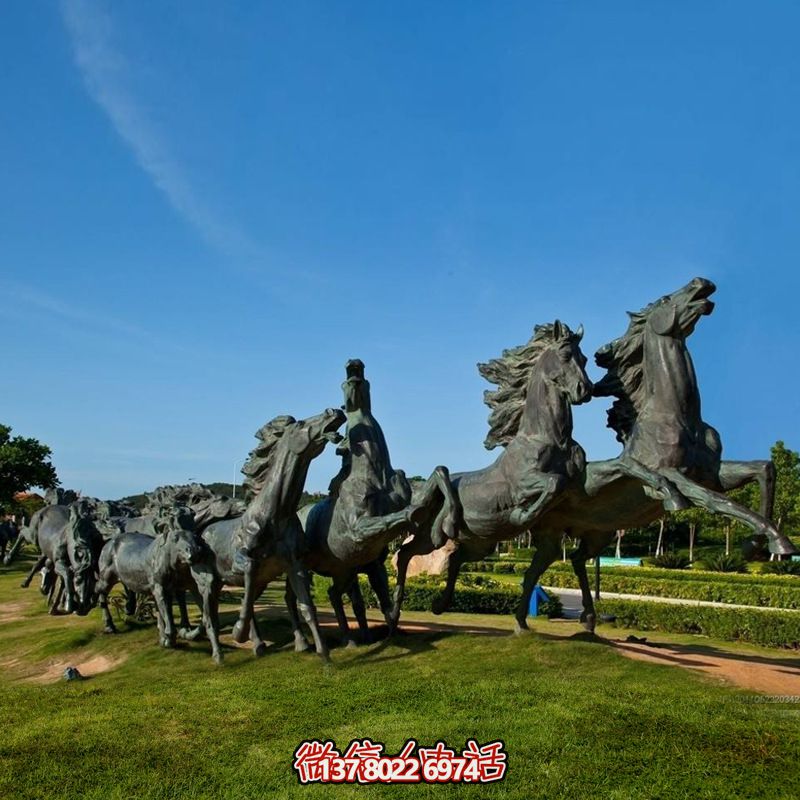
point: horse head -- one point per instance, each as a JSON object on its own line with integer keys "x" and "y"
{"x": 80, "y": 537}
{"x": 677, "y": 314}
{"x": 650, "y": 362}
{"x": 563, "y": 364}
{"x": 177, "y": 543}
{"x": 551, "y": 360}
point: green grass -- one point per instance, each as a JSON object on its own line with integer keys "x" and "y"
{"x": 578, "y": 720}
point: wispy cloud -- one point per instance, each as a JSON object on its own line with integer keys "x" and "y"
{"x": 106, "y": 74}
{"x": 87, "y": 321}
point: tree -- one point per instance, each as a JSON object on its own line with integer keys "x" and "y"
{"x": 787, "y": 486}
{"x": 694, "y": 517}
{"x": 24, "y": 463}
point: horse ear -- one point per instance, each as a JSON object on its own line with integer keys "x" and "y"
{"x": 663, "y": 319}
{"x": 579, "y": 332}
{"x": 558, "y": 330}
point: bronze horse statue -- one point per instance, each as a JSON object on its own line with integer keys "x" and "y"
{"x": 348, "y": 532}
{"x": 267, "y": 540}
{"x": 532, "y": 417}
{"x": 163, "y": 565}
{"x": 670, "y": 459}
{"x": 69, "y": 541}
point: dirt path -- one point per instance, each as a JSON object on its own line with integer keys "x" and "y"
{"x": 776, "y": 676}
{"x": 764, "y": 671}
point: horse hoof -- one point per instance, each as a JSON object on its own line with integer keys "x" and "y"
{"x": 301, "y": 646}
{"x": 168, "y": 642}
{"x": 239, "y": 633}
{"x": 351, "y": 644}
{"x": 521, "y": 628}
{"x": 191, "y": 634}
{"x": 260, "y": 650}
{"x": 438, "y": 606}
{"x": 589, "y": 621}
{"x": 217, "y": 658}
{"x": 109, "y": 630}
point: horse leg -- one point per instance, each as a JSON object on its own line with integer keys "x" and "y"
{"x": 359, "y": 609}
{"x": 379, "y": 581}
{"x": 256, "y": 639}
{"x": 163, "y": 600}
{"x": 184, "y": 624}
{"x": 733, "y": 474}
{"x": 55, "y": 596}
{"x": 36, "y": 567}
{"x": 49, "y": 578}
{"x": 438, "y": 488}
{"x": 298, "y": 577}
{"x": 335, "y": 596}
{"x": 442, "y": 602}
{"x": 15, "y": 548}
{"x": 300, "y": 642}
{"x": 588, "y": 549}
{"x": 63, "y": 570}
{"x": 721, "y": 504}
{"x": 241, "y": 630}
{"x": 105, "y": 584}
{"x": 655, "y": 484}
{"x": 419, "y": 545}
{"x": 547, "y": 551}
{"x": 209, "y": 587}
{"x": 130, "y": 602}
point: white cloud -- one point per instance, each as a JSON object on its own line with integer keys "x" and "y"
{"x": 106, "y": 75}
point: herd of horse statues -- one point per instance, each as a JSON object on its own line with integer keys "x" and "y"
{"x": 188, "y": 541}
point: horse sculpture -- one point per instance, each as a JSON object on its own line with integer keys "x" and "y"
{"x": 63, "y": 533}
{"x": 532, "y": 417}
{"x": 267, "y": 541}
{"x": 671, "y": 458}
{"x": 171, "y": 562}
{"x": 347, "y": 533}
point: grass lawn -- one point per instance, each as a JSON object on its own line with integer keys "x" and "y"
{"x": 578, "y": 720}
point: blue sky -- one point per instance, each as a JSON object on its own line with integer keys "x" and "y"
{"x": 207, "y": 208}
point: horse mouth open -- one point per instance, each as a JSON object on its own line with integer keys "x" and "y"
{"x": 699, "y": 301}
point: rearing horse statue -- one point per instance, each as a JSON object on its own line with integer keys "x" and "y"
{"x": 670, "y": 457}
{"x": 532, "y": 418}
{"x": 347, "y": 533}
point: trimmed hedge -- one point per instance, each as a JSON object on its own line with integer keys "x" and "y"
{"x": 763, "y": 627}
{"x": 766, "y": 593}
{"x": 421, "y": 592}
{"x": 705, "y": 576}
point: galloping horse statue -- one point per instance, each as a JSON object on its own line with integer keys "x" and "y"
{"x": 657, "y": 418}
{"x": 347, "y": 533}
{"x": 69, "y": 543}
{"x": 532, "y": 418}
{"x": 267, "y": 540}
{"x": 163, "y": 565}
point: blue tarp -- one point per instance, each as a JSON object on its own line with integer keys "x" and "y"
{"x": 539, "y": 596}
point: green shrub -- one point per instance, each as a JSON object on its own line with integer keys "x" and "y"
{"x": 758, "y": 626}
{"x": 771, "y": 592}
{"x": 475, "y": 595}
{"x": 689, "y": 575}
{"x": 726, "y": 563}
{"x": 671, "y": 561}
{"x": 551, "y": 608}
{"x": 781, "y": 567}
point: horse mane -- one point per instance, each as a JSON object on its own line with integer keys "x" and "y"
{"x": 623, "y": 360}
{"x": 260, "y": 459}
{"x": 511, "y": 372}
